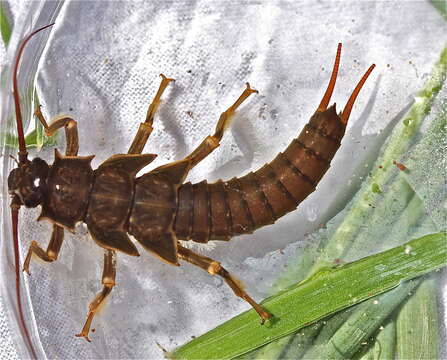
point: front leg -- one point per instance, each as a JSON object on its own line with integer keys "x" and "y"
{"x": 57, "y": 238}
{"x": 71, "y": 130}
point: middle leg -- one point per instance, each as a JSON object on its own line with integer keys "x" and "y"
{"x": 212, "y": 142}
{"x": 108, "y": 281}
{"x": 215, "y": 268}
{"x": 146, "y": 128}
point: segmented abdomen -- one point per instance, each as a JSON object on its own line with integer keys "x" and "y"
{"x": 222, "y": 210}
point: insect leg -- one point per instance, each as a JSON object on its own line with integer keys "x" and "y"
{"x": 57, "y": 238}
{"x": 146, "y": 128}
{"x": 212, "y": 142}
{"x": 108, "y": 281}
{"x": 215, "y": 268}
{"x": 71, "y": 130}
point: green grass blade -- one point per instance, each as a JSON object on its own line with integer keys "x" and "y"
{"x": 417, "y": 324}
{"x": 396, "y": 146}
{"x": 332, "y": 325}
{"x": 398, "y": 210}
{"x": 426, "y": 165}
{"x": 33, "y": 140}
{"x": 300, "y": 341}
{"x": 288, "y": 347}
{"x": 5, "y": 28}
{"x": 299, "y": 269}
{"x": 328, "y": 291}
{"x": 361, "y": 231}
{"x": 384, "y": 346}
{"x": 441, "y": 6}
{"x": 366, "y": 319}
{"x": 412, "y": 222}
{"x": 389, "y": 211}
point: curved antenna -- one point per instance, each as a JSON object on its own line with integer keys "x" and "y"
{"x": 15, "y": 206}
{"x": 15, "y": 203}
{"x": 22, "y": 146}
{"x": 330, "y": 88}
{"x": 347, "y": 110}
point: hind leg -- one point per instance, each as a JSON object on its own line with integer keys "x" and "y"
{"x": 108, "y": 281}
{"x": 215, "y": 268}
{"x": 212, "y": 142}
{"x": 146, "y": 128}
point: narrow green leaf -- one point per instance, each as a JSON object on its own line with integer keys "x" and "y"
{"x": 288, "y": 347}
{"x": 441, "y": 6}
{"x": 426, "y": 164}
{"x": 329, "y": 291}
{"x": 397, "y": 145}
{"x": 363, "y": 323}
{"x": 332, "y": 325}
{"x": 31, "y": 140}
{"x": 411, "y": 222}
{"x": 5, "y": 28}
{"x": 36, "y": 139}
{"x": 384, "y": 347}
{"x": 417, "y": 324}
{"x": 360, "y": 229}
{"x": 299, "y": 342}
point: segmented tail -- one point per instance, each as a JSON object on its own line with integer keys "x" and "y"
{"x": 225, "y": 209}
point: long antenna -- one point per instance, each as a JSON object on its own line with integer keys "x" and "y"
{"x": 15, "y": 206}
{"x": 23, "y": 154}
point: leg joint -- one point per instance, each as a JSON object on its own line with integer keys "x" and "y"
{"x": 214, "y": 268}
{"x": 52, "y": 256}
{"x": 71, "y": 123}
{"x": 108, "y": 282}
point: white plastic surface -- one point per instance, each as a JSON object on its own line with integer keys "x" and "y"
{"x": 101, "y": 67}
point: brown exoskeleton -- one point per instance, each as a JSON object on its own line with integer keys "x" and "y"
{"x": 158, "y": 208}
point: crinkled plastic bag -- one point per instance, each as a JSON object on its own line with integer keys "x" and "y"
{"x": 101, "y": 65}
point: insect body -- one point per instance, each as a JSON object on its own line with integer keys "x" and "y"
{"x": 158, "y": 208}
